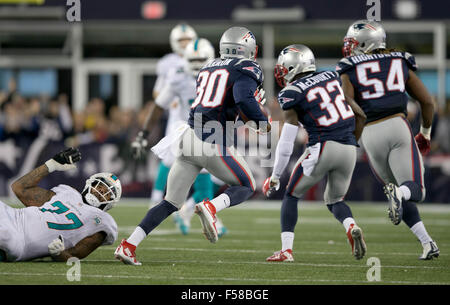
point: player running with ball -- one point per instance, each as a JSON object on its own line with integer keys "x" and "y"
{"x": 226, "y": 87}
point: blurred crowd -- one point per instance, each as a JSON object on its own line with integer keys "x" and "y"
{"x": 24, "y": 119}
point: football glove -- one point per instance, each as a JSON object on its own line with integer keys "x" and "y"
{"x": 56, "y": 246}
{"x": 64, "y": 160}
{"x": 423, "y": 143}
{"x": 140, "y": 144}
{"x": 270, "y": 186}
{"x": 259, "y": 95}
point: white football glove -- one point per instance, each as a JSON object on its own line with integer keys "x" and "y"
{"x": 56, "y": 246}
{"x": 140, "y": 144}
{"x": 64, "y": 160}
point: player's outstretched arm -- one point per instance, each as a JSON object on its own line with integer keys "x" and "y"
{"x": 360, "y": 116}
{"x": 26, "y": 187}
{"x": 81, "y": 250}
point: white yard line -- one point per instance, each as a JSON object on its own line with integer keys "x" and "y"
{"x": 268, "y": 252}
{"x": 183, "y": 278}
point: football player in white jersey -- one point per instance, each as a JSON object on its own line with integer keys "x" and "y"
{"x": 61, "y": 222}
{"x": 181, "y": 84}
{"x": 180, "y": 36}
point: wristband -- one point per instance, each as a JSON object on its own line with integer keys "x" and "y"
{"x": 51, "y": 165}
{"x": 426, "y": 132}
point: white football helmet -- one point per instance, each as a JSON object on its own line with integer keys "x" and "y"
{"x": 293, "y": 59}
{"x": 111, "y": 185}
{"x": 362, "y": 37}
{"x": 197, "y": 54}
{"x": 238, "y": 42}
{"x": 178, "y": 34}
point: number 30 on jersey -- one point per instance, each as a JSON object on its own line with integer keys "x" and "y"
{"x": 211, "y": 88}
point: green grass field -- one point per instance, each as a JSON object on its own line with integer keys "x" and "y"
{"x": 321, "y": 251}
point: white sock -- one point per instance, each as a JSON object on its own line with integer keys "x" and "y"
{"x": 157, "y": 196}
{"x": 348, "y": 222}
{"x": 287, "y": 240}
{"x": 221, "y": 202}
{"x": 405, "y": 191}
{"x": 419, "y": 230}
{"x": 137, "y": 236}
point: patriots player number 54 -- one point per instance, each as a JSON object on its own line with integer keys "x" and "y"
{"x": 207, "y": 81}
{"x": 394, "y": 82}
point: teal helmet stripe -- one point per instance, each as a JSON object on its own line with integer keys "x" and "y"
{"x": 183, "y": 27}
{"x": 196, "y": 45}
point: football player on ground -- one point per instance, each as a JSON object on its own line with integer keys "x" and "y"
{"x": 181, "y": 84}
{"x": 225, "y": 87}
{"x": 315, "y": 99}
{"x": 61, "y": 222}
{"x": 378, "y": 79}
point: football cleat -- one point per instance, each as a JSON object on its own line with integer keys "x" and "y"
{"x": 356, "y": 239}
{"x": 281, "y": 256}
{"x": 125, "y": 252}
{"x": 395, "y": 203}
{"x": 180, "y": 223}
{"x": 207, "y": 213}
{"x": 430, "y": 251}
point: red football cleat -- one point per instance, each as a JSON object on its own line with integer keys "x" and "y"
{"x": 355, "y": 237}
{"x": 125, "y": 252}
{"x": 281, "y": 256}
{"x": 207, "y": 213}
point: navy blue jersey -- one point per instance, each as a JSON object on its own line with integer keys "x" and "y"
{"x": 225, "y": 87}
{"x": 379, "y": 81}
{"x": 319, "y": 102}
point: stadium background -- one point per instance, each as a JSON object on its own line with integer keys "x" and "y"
{"x": 89, "y": 83}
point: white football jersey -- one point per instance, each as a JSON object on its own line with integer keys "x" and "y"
{"x": 165, "y": 73}
{"x": 181, "y": 85}
{"x": 164, "y": 65}
{"x": 64, "y": 214}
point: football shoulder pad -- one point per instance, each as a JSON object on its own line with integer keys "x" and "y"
{"x": 289, "y": 97}
{"x": 344, "y": 65}
{"x": 250, "y": 68}
{"x": 410, "y": 61}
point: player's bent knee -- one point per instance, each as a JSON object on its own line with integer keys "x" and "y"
{"x": 175, "y": 202}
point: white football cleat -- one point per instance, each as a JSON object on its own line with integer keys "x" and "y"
{"x": 430, "y": 250}
{"x": 125, "y": 252}
{"x": 207, "y": 213}
{"x": 395, "y": 203}
{"x": 281, "y": 256}
{"x": 356, "y": 239}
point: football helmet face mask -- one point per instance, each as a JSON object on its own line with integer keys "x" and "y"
{"x": 197, "y": 54}
{"x": 102, "y": 190}
{"x": 238, "y": 42}
{"x": 180, "y": 36}
{"x": 362, "y": 37}
{"x": 293, "y": 59}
